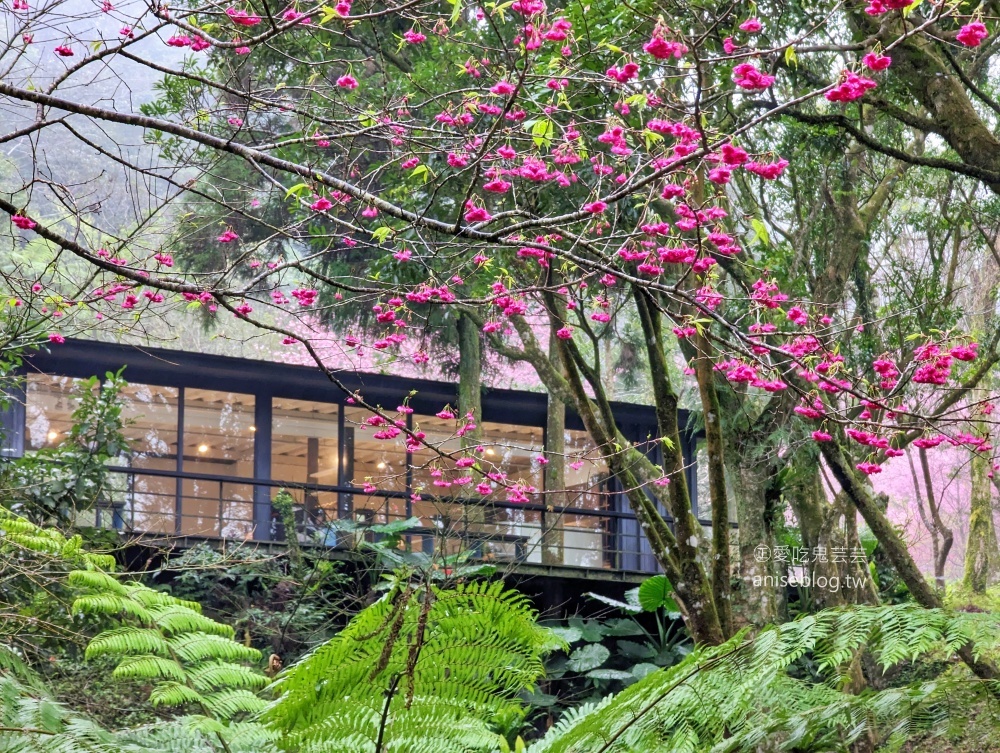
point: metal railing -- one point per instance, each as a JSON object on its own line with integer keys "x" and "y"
{"x": 167, "y": 503}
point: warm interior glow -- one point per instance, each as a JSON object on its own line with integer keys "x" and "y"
{"x": 381, "y": 465}
{"x": 489, "y": 451}
{"x": 203, "y": 448}
{"x": 53, "y": 435}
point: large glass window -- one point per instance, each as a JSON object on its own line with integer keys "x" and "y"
{"x": 514, "y": 450}
{"x": 304, "y": 450}
{"x": 433, "y": 476}
{"x": 585, "y": 540}
{"x": 151, "y": 414}
{"x": 219, "y": 441}
{"x": 50, "y": 402}
{"x": 379, "y": 462}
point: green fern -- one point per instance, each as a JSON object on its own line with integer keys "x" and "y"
{"x": 739, "y": 696}
{"x": 33, "y": 723}
{"x": 188, "y": 658}
{"x": 422, "y": 670}
{"x": 20, "y": 537}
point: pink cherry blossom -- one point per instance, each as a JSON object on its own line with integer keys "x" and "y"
{"x": 746, "y": 76}
{"x": 852, "y": 87}
{"x": 876, "y": 62}
{"x": 242, "y": 18}
{"x": 972, "y": 34}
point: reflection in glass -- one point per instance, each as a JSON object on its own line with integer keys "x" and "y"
{"x": 50, "y": 402}
{"x": 514, "y": 450}
{"x": 583, "y": 540}
{"x": 150, "y": 414}
{"x": 304, "y": 451}
{"x": 433, "y": 476}
{"x": 379, "y": 462}
{"x": 218, "y": 440}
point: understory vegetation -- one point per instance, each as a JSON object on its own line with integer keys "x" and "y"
{"x": 233, "y": 651}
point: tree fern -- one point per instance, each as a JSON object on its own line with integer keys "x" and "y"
{"x": 20, "y": 537}
{"x": 188, "y": 658}
{"x": 33, "y": 723}
{"x": 739, "y": 695}
{"x": 423, "y": 669}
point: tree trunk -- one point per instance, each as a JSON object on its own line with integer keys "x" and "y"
{"x": 470, "y": 376}
{"x": 982, "y": 555}
{"x": 897, "y": 552}
{"x": 470, "y": 403}
{"x": 944, "y": 533}
{"x": 757, "y": 600}
{"x": 714, "y": 450}
{"x": 555, "y": 474}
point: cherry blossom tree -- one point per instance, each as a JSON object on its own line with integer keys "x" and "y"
{"x": 542, "y": 176}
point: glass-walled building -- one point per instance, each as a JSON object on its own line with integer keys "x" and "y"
{"x": 213, "y": 439}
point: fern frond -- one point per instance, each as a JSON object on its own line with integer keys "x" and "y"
{"x": 183, "y": 652}
{"x": 439, "y": 666}
{"x": 178, "y": 618}
{"x": 172, "y": 693}
{"x": 95, "y": 580}
{"x": 740, "y": 696}
{"x": 195, "y": 647}
{"x": 128, "y": 641}
{"x": 148, "y": 668}
{"x": 228, "y": 703}
{"x": 112, "y": 604}
{"x": 226, "y": 675}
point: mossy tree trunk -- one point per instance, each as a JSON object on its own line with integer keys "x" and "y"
{"x": 982, "y": 555}
{"x": 555, "y": 474}
{"x": 470, "y": 376}
{"x": 470, "y": 402}
{"x": 895, "y": 548}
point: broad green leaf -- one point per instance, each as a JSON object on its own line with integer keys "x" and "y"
{"x": 654, "y": 594}
{"x": 568, "y": 634}
{"x": 588, "y": 657}
{"x": 760, "y": 231}
{"x": 610, "y": 674}
{"x": 592, "y": 630}
{"x": 298, "y": 189}
{"x": 636, "y": 650}
{"x": 421, "y": 171}
{"x": 641, "y": 670}
{"x": 542, "y": 132}
{"x": 619, "y": 628}
{"x": 381, "y": 233}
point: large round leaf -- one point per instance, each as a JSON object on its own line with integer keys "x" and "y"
{"x": 568, "y": 634}
{"x": 588, "y": 657}
{"x": 610, "y": 674}
{"x": 655, "y": 593}
{"x": 635, "y": 650}
{"x": 641, "y": 670}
